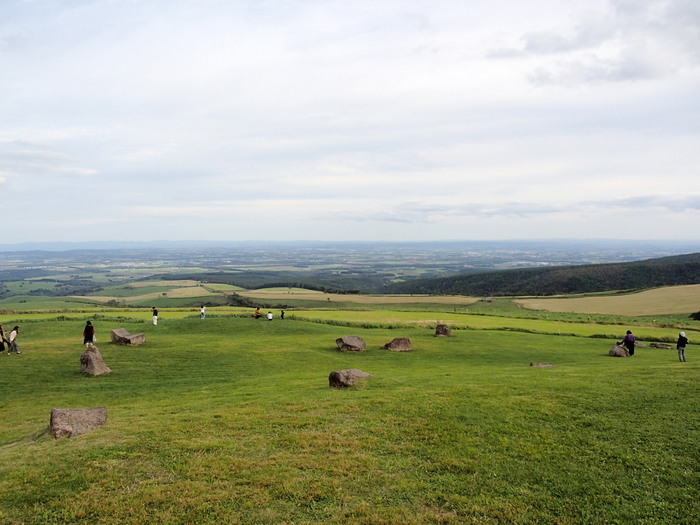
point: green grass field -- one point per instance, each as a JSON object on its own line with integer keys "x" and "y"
{"x": 231, "y": 420}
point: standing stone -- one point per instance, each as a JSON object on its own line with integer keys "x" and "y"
{"x": 399, "y": 344}
{"x": 91, "y": 362}
{"x": 618, "y": 351}
{"x": 122, "y": 337}
{"x": 346, "y": 378}
{"x": 442, "y": 330}
{"x": 71, "y": 422}
{"x": 351, "y": 343}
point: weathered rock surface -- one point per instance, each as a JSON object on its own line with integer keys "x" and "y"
{"x": 442, "y": 330}
{"x": 351, "y": 343}
{"x": 662, "y": 345}
{"x": 541, "y": 365}
{"x": 346, "y": 378}
{"x": 618, "y": 351}
{"x": 91, "y": 362}
{"x": 71, "y": 422}
{"x": 399, "y": 344}
{"x": 122, "y": 337}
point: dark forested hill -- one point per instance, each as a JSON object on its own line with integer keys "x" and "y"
{"x": 651, "y": 273}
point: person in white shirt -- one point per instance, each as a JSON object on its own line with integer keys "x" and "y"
{"x": 12, "y": 339}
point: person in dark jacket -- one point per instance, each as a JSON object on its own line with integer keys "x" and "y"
{"x": 628, "y": 342}
{"x": 88, "y": 333}
{"x": 3, "y": 340}
{"x": 680, "y": 346}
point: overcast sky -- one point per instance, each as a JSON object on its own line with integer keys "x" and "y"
{"x": 392, "y": 120}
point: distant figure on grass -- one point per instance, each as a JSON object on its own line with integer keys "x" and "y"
{"x": 202, "y": 311}
{"x": 628, "y": 342}
{"x": 282, "y": 314}
{"x": 269, "y": 316}
{"x": 155, "y": 316}
{"x": 257, "y": 313}
{"x": 680, "y": 346}
{"x": 3, "y": 340}
{"x": 12, "y": 339}
{"x": 88, "y": 333}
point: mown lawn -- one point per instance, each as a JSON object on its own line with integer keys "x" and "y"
{"x": 231, "y": 420}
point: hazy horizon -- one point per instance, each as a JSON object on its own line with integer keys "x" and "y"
{"x": 674, "y": 245}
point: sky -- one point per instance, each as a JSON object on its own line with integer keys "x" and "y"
{"x": 374, "y": 120}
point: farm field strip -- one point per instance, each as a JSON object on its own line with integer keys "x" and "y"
{"x": 659, "y": 301}
{"x": 380, "y": 318}
{"x": 486, "y": 322}
{"x": 281, "y": 295}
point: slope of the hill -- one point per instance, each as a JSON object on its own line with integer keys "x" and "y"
{"x": 651, "y": 273}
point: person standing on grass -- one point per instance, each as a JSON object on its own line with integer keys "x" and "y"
{"x": 3, "y": 340}
{"x": 269, "y": 316}
{"x": 202, "y": 311}
{"x": 154, "y": 310}
{"x": 680, "y": 346}
{"x": 88, "y": 333}
{"x": 628, "y": 342}
{"x": 12, "y": 339}
{"x": 282, "y": 314}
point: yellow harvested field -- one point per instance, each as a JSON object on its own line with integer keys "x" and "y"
{"x": 660, "y": 301}
{"x": 169, "y": 284}
{"x": 281, "y": 294}
{"x": 176, "y": 293}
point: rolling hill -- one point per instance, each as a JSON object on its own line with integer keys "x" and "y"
{"x": 650, "y": 273}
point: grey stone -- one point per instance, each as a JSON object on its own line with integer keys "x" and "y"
{"x": 351, "y": 343}
{"x": 91, "y": 362}
{"x": 399, "y": 344}
{"x": 662, "y": 345}
{"x": 618, "y": 351}
{"x": 71, "y": 422}
{"x": 346, "y": 378}
{"x": 122, "y": 337}
{"x": 442, "y": 330}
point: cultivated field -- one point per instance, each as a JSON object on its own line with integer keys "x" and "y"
{"x": 297, "y": 294}
{"x": 660, "y": 301}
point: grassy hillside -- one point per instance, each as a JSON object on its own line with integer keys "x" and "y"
{"x": 231, "y": 420}
{"x": 653, "y": 273}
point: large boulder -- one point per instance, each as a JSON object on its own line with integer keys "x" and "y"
{"x": 351, "y": 343}
{"x": 91, "y": 362}
{"x": 399, "y": 344}
{"x": 442, "y": 330}
{"x": 122, "y": 337}
{"x": 71, "y": 422}
{"x": 618, "y": 351}
{"x": 346, "y": 378}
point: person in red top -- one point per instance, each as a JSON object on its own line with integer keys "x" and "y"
{"x": 88, "y": 333}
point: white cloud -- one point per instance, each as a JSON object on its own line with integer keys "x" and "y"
{"x": 35, "y": 160}
{"x": 329, "y": 119}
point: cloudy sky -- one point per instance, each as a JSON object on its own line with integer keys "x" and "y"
{"x": 391, "y": 120}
